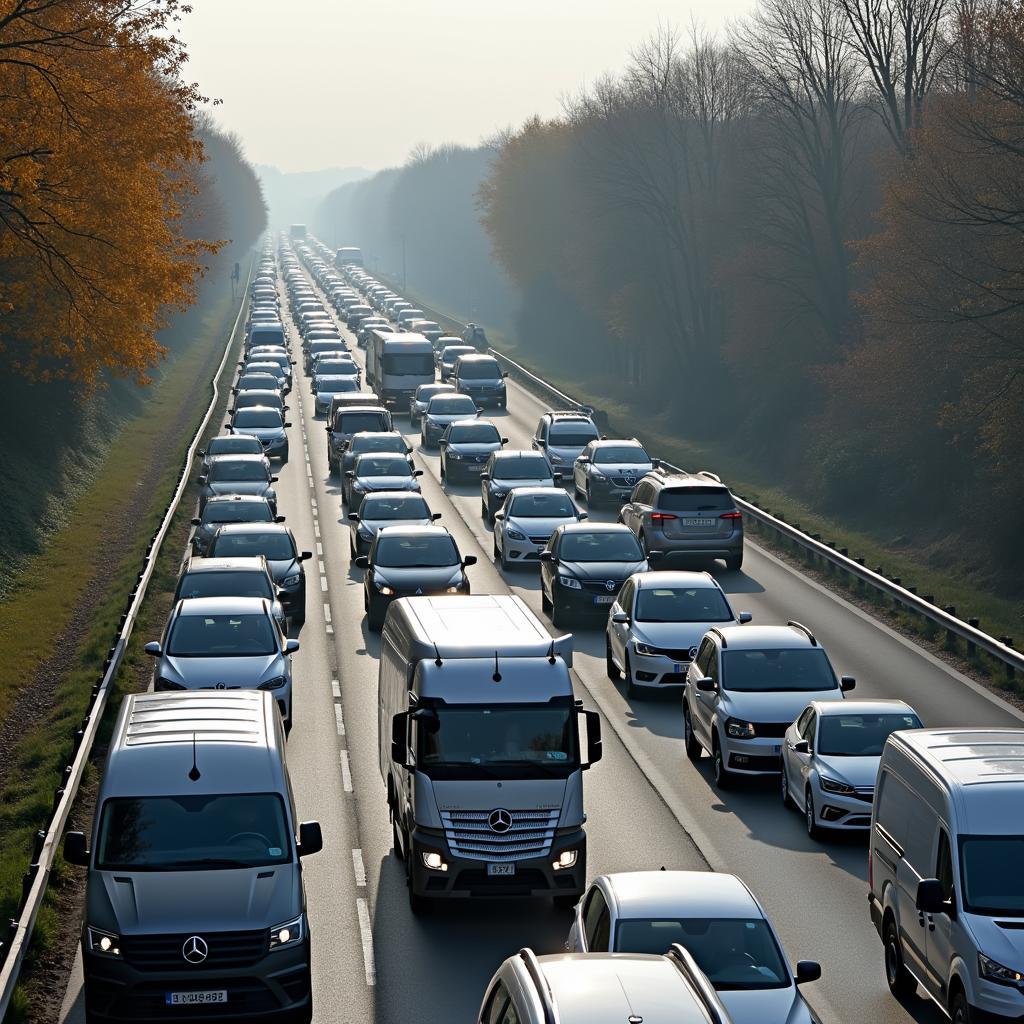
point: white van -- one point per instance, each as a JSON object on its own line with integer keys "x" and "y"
{"x": 946, "y": 869}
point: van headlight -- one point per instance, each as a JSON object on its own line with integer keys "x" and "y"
{"x": 834, "y": 786}
{"x": 739, "y": 730}
{"x": 291, "y": 933}
{"x": 992, "y": 970}
{"x": 104, "y": 943}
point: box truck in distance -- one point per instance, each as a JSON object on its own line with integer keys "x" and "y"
{"x": 482, "y": 751}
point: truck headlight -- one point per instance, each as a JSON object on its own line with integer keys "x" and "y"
{"x": 645, "y": 649}
{"x": 273, "y": 684}
{"x": 834, "y": 786}
{"x": 995, "y": 971}
{"x": 104, "y": 943}
{"x": 566, "y": 859}
{"x": 288, "y": 934}
{"x": 739, "y": 730}
{"x": 568, "y": 581}
{"x": 433, "y": 860}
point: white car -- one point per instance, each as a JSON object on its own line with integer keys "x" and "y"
{"x": 830, "y": 760}
{"x": 526, "y": 521}
{"x": 656, "y": 623}
{"x": 712, "y": 915}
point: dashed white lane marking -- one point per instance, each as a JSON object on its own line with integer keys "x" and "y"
{"x": 358, "y": 868}
{"x": 323, "y": 584}
{"x": 312, "y": 504}
{"x": 320, "y": 549}
{"x": 346, "y": 771}
{"x": 327, "y": 613}
{"x": 316, "y": 528}
{"x": 335, "y": 689}
{"x": 339, "y": 720}
{"x": 320, "y": 564}
{"x": 366, "y": 933}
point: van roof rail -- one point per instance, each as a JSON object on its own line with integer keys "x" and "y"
{"x": 803, "y": 629}
{"x": 720, "y": 635}
{"x": 529, "y": 958}
{"x": 683, "y": 961}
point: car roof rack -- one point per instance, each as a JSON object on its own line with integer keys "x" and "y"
{"x": 529, "y": 958}
{"x": 684, "y": 962}
{"x": 709, "y": 475}
{"x": 803, "y": 629}
{"x": 583, "y": 411}
{"x": 720, "y": 635}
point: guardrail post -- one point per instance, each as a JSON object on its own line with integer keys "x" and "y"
{"x": 972, "y": 647}
{"x": 1008, "y": 641}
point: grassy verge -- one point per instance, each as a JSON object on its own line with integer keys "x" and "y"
{"x": 40, "y": 608}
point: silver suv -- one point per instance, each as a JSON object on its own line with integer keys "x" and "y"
{"x": 596, "y": 988}
{"x": 562, "y": 436}
{"x": 684, "y": 514}
{"x": 745, "y": 688}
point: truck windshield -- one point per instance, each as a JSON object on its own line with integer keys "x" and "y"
{"x": 408, "y": 363}
{"x": 193, "y": 833}
{"x": 524, "y": 741}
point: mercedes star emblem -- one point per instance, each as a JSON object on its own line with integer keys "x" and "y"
{"x": 195, "y": 950}
{"x": 500, "y": 820}
{"x": 610, "y": 586}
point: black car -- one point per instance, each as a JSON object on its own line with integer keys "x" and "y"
{"x": 410, "y": 560}
{"x": 465, "y": 447}
{"x": 584, "y": 566}
{"x": 229, "y": 508}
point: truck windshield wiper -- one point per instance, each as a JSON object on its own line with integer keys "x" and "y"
{"x": 206, "y": 862}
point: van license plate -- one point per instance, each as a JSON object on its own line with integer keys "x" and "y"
{"x": 196, "y": 998}
{"x": 500, "y": 869}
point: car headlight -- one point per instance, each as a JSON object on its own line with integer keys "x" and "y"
{"x": 364, "y": 531}
{"x": 515, "y": 535}
{"x": 568, "y": 581}
{"x": 162, "y": 683}
{"x": 596, "y": 474}
{"x": 499, "y": 492}
{"x": 291, "y": 581}
{"x": 383, "y": 587}
{"x": 556, "y": 458}
{"x": 288, "y": 934}
{"x": 645, "y": 649}
{"x": 834, "y": 785}
{"x": 739, "y": 730}
{"x": 273, "y": 684}
{"x": 995, "y": 971}
{"x": 104, "y": 943}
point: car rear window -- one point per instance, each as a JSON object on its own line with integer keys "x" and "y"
{"x": 695, "y": 499}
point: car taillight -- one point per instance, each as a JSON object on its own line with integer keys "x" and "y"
{"x": 731, "y": 515}
{"x": 659, "y": 517}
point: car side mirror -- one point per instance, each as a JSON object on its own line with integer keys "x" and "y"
{"x": 305, "y": 556}
{"x": 583, "y": 460}
{"x": 417, "y": 472}
{"x": 201, "y": 479}
{"x": 620, "y": 619}
{"x": 201, "y": 452}
{"x": 349, "y": 475}
{"x": 557, "y": 477}
{"x": 505, "y": 373}
{"x": 807, "y": 971}
{"x": 931, "y": 898}
{"x": 485, "y": 476}
{"x": 328, "y": 428}
{"x": 468, "y": 561}
{"x": 280, "y": 595}
{"x": 363, "y": 561}
{"x": 583, "y": 515}
{"x": 311, "y": 838}
{"x": 706, "y": 683}
{"x": 291, "y": 646}
{"x": 353, "y": 517}
{"x": 504, "y": 440}
{"x": 540, "y": 442}
{"x": 287, "y": 424}
{"x": 847, "y": 683}
{"x": 656, "y": 556}
{"x": 801, "y": 747}
{"x": 499, "y": 515}
{"x": 443, "y": 443}
{"x": 435, "y": 516}
{"x": 76, "y": 849}
{"x": 745, "y": 617}
{"x": 153, "y": 649}
{"x": 197, "y": 522}
{"x": 279, "y": 519}
{"x": 545, "y": 556}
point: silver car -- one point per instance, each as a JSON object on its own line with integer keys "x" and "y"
{"x": 228, "y": 444}
{"x": 267, "y": 425}
{"x": 440, "y": 411}
{"x": 326, "y": 386}
{"x": 508, "y": 468}
{"x": 656, "y": 623}
{"x": 225, "y": 643}
{"x": 607, "y": 471}
{"x": 830, "y": 760}
{"x": 237, "y": 474}
{"x": 230, "y": 577}
{"x": 717, "y": 919}
{"x": 526, "y": 521}
{"x": 386, "y": 508}
{"x": 562, "y": 436}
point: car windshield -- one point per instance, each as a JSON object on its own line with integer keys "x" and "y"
{"x": 511, "y": 741}
{"x": 479, "y": 369}
{"x": 257, "y": 418}
{"x": 237, "y": 512}
{"x": 229, "y": 583}
{"x": 571, "y": 435}
{"x": 378, "y": 443}
{"x": 239, "y": 471}
{"x": 416, "y": 552}
{"x": 451, "y": 405}
{"x": 336, "y": 367}
{"x": 696, "y": 499}
{"x": 356, "y": 422}
{"x": 383, "y": 465}
{"x": 327, "y": 385}
{"x": 530, "y": 467}
{"x": 275, "y": 547}
{"x": 860, "y": 735}
{"x": 600, "y": 546}
{"x": 413, "y": 507}
{"x": 263, "y": 366}
{"x": 409, "y": 363}
{"x": 475, "y": 433}
{"x": 542, "y": 506}
{"x": 452, "y": 352}
{"x": 199, "y": 833}
{"x": 270, "y": 399}
{"x": 778, "y": 670}
{"x": 624, "y": 455}
{"x": 735, "y": 953}
{"x": 234, "y": 446}
{"x": 681, "y": 604}
{"x": 248, "y": 381}
{"x": 993, "y": 883}
{"x": 323, "y": 334}
{"x": 221, "y": 636}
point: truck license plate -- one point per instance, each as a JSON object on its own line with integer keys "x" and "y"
{"x": 500, "y": 869}
{"x": 196, "y": 998}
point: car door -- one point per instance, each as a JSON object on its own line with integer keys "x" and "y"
{"x": 789, "y": 756}
{"x": 702, "y": 711}
{"x": 596, "y": 923}
{"x": 499, "y": 1007}
{"x": 580, "y": 469}
{"x": 548, "y": 567}
{"x": 619, "y": 631}
{"x": 632, "y": 512}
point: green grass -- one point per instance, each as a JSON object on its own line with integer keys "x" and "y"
{"x": 53, "y": 581}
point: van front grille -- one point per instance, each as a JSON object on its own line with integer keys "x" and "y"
{"x": 165, "y": 952}
{"x": 470, "y": 835}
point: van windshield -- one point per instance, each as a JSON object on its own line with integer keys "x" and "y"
{"x": 526, "y": 741}
{"x": 992, "y": 880}
{"x": 193, "y": 833}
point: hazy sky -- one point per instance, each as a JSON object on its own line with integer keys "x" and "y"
{"x": 310, "y": 84}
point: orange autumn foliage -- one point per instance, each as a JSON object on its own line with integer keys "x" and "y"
{"x": 97, "y": 164}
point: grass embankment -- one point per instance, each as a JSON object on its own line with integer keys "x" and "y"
{"x": 951, "y": 585}
{"x": 53, "y": 585}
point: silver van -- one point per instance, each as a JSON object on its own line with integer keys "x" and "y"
{"x": 945, "y": 879}
{"x": 194, "y": 903}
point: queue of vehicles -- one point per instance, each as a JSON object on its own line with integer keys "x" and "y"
{"x": 474, "y": 690}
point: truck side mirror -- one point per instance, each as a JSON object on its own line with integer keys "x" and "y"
{"x": 311, "y": 838}
{"x": 399, "y": 743}
{"x": 595, "y": 750}
{"x": 76, "y": 850}
{"x": 931, "y": 898}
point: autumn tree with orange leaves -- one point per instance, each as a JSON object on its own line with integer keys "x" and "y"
{"x": 97, "y": 164}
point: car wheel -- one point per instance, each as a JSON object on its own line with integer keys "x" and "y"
{"x": 960, "y": 1009}
{"x": 901, "y": 982}
{"x": 611, "y": 669}
{"x": 633, "y": 692}
{"x": 810, "y": 815}
{"x": 590, "y": 500}
{"x": 734, "y": 562}
{"x": 723, "y": 777}
{"x": 690, "y": 741}
{"x": 506, "y": 565}
{"x": 559, "y": 618}
{"x": 417, "y": 904}
{"x": 787, "y": 800}
{"x": 484, "y": 515}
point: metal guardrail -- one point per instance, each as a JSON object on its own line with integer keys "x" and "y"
{"x": 36, "y": 878}
{"x": 834, "y": 558}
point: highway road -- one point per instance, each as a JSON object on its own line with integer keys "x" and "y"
{"x": 647, "y": 805}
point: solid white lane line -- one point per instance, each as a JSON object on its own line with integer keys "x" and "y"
{"x": 358, "y": 868}
{"x": 339, "y": 720}
{"x": 366, "y": 933}
{"x": 335, "y": 689}
{"x": 346, "y": 771}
